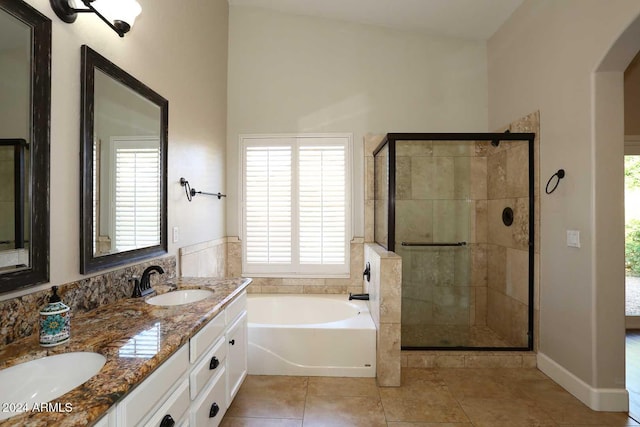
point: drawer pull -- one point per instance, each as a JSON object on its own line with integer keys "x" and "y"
{"x": 167, "y": 421}
{"x": 214, "y": 410}
{"x": 214, "y": 363}
{"x": 232, "y": 342}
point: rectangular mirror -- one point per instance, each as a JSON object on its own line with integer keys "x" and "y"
{"x": 124, "y": 132}
{"x": 25, "y": 104}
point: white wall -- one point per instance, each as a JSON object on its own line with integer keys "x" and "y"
{"x": 296, "y": 74}
{"x": 180, "y": 52}
{"x": 544, "y": 58}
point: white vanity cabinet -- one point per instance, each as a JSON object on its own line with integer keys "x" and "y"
{"x": 196, "y": 385}
{"x": 160, "y": 400}
{"x": 218, "y": 371}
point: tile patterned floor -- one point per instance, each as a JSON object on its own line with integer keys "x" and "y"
{"x": 427, "y": 398}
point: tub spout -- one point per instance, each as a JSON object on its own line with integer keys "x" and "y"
{"x": 364, "y": 297}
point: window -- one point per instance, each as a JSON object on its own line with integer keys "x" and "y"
{"x": 296, "y": 208}
{"x": 137, "y": 193}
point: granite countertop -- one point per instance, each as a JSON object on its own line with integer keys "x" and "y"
{"x": 110, "y": 331}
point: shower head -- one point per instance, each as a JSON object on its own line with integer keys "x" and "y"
{"x": 496, "y": 141}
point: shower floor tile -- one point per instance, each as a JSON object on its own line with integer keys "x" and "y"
{"x": 442, "y": 397}
{"x": 452, "y": 336}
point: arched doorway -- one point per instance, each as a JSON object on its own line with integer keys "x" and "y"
{"x": 608, "y": 135}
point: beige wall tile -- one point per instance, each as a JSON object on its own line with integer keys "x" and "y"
{"x": 369, "y": 183}
{"x": 416, "y": 312}
{"x": 449, "y": 361}
{"x": 518, "y": 171}
{"x": 481, "y": 148}
{"x": 479, "y": 269}
{"x": 450, "y": 220}
{"x": 497, "y": 175}
{"x": 267, "y": 281}
{"x": 414, "y": 148}
{"x": 403, "y": 178}
{"x": 517, "y": 277}
{"x": 302, "y": 282}
{"x": 478, "y": 172}
{"x": 462, "y": 177}
{"x": 269, "y": 289}
{"x": 480, "y": 316}
{"x": 371, "y": 142}
{"x": 414, "y": 220}
{"x": 454, "y": 148}
{"x": 424, "y": 360}
{"x": 388, "y": 355}
{"x": 481, "y": 221}
{"x": 378, "y": 230}
{"x": 520, "y": 233}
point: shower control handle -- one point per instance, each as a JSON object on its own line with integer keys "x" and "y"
{"x": 366, "y": 274}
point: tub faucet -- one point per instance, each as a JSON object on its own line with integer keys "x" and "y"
{"x": 364, "y": 297}
{"x": 142, "y": 287}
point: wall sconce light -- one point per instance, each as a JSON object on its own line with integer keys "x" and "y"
{"x": 117, "y": 14}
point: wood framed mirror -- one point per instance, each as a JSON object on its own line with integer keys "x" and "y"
{"x": 124, "y": 132}
{"x": 25, "y": 115}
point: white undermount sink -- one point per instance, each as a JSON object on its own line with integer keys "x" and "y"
{"x": 179, "y": 297}
{"x": 45, "y": 379}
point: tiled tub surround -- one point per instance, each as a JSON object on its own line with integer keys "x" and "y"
{"x": 108, "y": 330}
{"x": 286, "y": 285}
{"x": 206, "y": 259}
{"x": 19, "y": 316}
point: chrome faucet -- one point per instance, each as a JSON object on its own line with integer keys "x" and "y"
{"x": 142, "y": 287}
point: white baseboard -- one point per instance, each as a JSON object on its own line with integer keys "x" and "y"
{"x": 598, "y": 399}
{"x": 632, "y": 322}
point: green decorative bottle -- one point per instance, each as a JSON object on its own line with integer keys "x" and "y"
{"x": 55, "y": 321}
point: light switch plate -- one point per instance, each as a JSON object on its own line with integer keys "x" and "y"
{"x": 573, "y": 238}
{"x": 175, "y": 235}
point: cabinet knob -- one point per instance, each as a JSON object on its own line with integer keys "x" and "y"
{"x": 214, "y": 410}
{"x": 214, "y": 363}
{"x": 167, "y": 421}
{"x": 232, "y": 342}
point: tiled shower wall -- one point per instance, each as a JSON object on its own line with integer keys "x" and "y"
{"x": 499, "y": 264}
{"x": 507, "y": 247}
{"x": 441, "y": 196}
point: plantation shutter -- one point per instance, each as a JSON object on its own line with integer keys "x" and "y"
{"x": 296, "y": 205}
{"x": 268, "y": 214}
{"x": 137, "y": 194}
{"x": 322, "y": 202}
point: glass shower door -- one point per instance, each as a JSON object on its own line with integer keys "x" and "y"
{"x": 433, "y": 217}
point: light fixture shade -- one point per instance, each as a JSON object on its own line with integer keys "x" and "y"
{"x": 117, "y": 10}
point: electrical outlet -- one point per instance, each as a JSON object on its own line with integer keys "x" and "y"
{"x": 573, "y": 238}
{"x": 175, "y": 235}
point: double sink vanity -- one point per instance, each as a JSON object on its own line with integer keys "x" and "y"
{"x": 178, "y": 358}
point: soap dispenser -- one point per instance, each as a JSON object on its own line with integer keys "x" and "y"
{"x": 55, "y": 321}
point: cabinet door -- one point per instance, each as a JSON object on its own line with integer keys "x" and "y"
{"x": 237, "y": 355}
